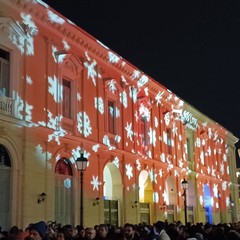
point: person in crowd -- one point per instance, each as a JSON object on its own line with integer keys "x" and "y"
{"x": 90, "y": 233}
{"x": 60, "y": 234}
{"x": 130, "y": 232}
{"x": 37, "y": 231}
{"x": 103, "y": 232}
{"x": 207, "y": 233}
{"x": 81, "y": 232}
{"x": 160, "y": 230}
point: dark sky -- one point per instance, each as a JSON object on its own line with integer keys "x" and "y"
{"x": 192, "y": 47}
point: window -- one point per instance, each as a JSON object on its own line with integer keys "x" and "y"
{"x": 63, "y": 191}
{"x": 169, "y": 141}
{"x": 66, "y": 98}
{"x": 4, "y": 73}
{"x": 144, "y": 131}
{"x": 111, "y": 117}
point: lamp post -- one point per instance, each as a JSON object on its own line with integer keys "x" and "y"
{"x": 81, "y": 166}
{"x": 184, "y": 184}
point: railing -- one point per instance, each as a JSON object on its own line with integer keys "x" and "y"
{"x": 7, "y": 106}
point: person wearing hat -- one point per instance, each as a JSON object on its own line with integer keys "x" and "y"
{"x": 37, "y": 231}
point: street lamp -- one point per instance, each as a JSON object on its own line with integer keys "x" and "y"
{"x": 81, "y": 166}
{"x": 184, "y": 184}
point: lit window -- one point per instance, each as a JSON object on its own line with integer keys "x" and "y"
{"x": 66, "y": 98}
{"x": 4, "y": 73}
{"x": 144, "y": 131}
{"x": 169, "y": 141}
{"x": 111, "y": 117}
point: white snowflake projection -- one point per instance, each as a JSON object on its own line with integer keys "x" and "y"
{"x": 113, "y": 58}
{"x": 202, "y": 157}
{"x": 31, "y": 30}
{"x": 28, "y": 112}
{"x": 136, "y": 116}
{"x": 176, "y": 173}
{"x": 224, "y": 157}
{"x": 112, "y": 86}
{"x": 227, "y": 170}
{"x": 142, "y": 81}
{"x": 58, "y": 55}
{"x": 146, "y": 91}
{"x": 213, "y": 172}
{"x": 201, "y": 199}
{"x": 55, "y": 89}
{"x": 167, "y": 118}
{"x": 95, "y": 147}
{"x": 180, "y": 163}
{"x": 224, "y": 185}
{"x": 95, "y": 183}
{"x": 198, "y": 142}
{"x": 209, "y": 151}
{"x": 136, "y": 74}
{"x": 156, "y": 122}
{"x": 117, "y": 138}
{"x": 42, "y": 155}
{"x": 174, "y": 129}
{"x": 215, "y": 190}
{"x": 155, "y": 197}
{"x": 84, "y": 124}
{"x": 152, "y": 136}
{"x": 99, "y": 104}
{"x": 66, "y": 45}
{"x": 92, "y": 72}
{"x": 124, "y": 80}
{"x": 29, "y": 80}
{"x": 79, "y": 97}
{"x": 208, "y": 169}
{"x": 133, "y": 93}
{"x": 138, "y": 165}
{"x": 123, "y": 99}
{"x": 144, "y": 112}
{"x": 162, "y": 157}
{"x": 129, "y": 130}
{"x": 23, "y": 109}
{"x": 67, "y": 183}
{"x": 170, "y": 165}
{"x": 165, "y": 196}
{"x": 56, "y": 135}
{"x": 129, "y": 171}
{"x": 106, "y": 141}
{"x": 54, "y": 18}
{"x": 228, "y": 202}
{"x": 158, "y": 97}
{"x": 116, "y": 162}
{"x": 152, "y": 175}
{"x": 160, "y": 173}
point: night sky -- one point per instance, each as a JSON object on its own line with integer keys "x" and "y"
{"x": 191, "y": 47}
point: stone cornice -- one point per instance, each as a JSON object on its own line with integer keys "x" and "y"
{"x": 76, "y": 35}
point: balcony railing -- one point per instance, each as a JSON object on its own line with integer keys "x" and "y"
{"x": 7, "y": 106}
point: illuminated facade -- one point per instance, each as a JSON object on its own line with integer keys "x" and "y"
{"x": 63, "y": 92}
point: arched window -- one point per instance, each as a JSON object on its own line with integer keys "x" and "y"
{"x": 5, "y": 173}
{"x": 63, "y": 192}
{"x": 4, "y": 157}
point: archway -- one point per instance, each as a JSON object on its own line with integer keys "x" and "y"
{"x": 145, "y": 196}
{"x": 207, "y": 203}
{"x": 5, "y": 180}
{"x": 113, "y": 194}
{"x": 171, "y": 198}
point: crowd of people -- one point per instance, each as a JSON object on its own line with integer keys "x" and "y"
{"x": 158, "y": 231}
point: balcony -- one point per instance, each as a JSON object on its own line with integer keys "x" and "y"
{"x": 7, "y": 106}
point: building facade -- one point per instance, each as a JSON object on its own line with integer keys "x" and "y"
{"x": 63, "y": 93}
